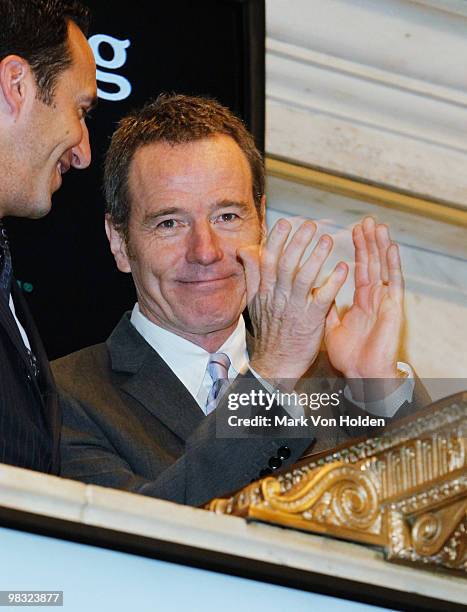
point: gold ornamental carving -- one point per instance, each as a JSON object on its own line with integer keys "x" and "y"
{"x": 405, "y": 490}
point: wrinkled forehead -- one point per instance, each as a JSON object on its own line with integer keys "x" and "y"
{"x": 207, "y": 171}
{"x": 83, "y": 66}
{"x": 214, "y": 158}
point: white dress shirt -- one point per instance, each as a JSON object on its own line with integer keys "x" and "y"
{"x": 21, "y": 329}
{"x": 189, "y": 362}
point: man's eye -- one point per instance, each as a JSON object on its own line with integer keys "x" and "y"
{"x": 228, "y": 217}
{"x": 167, "y": 224}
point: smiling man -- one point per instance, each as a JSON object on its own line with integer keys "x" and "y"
{"x": 192, "y": 212}
{"x": 47, "y": 85}
{"x": 185, "y": 216}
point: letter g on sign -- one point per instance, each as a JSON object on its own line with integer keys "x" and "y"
{"x": 119, "y": 58}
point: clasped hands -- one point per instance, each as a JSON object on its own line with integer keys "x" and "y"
{"x": 291, "y": 315}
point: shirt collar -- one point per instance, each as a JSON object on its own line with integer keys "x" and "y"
{"x": 189, "y": 361}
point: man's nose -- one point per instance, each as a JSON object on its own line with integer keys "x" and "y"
{"x": 81, "y": 153}
{"x": 203, "y": 245}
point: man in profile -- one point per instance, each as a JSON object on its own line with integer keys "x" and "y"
{"x": 186, "y": 217}
{"x": 47, "y": 85}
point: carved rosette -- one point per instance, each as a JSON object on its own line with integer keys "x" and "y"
{"x": 405, "y": 490}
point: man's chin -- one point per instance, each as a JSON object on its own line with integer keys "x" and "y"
{"x": 209, "y": 323}
{"x": 32, "y": 209}
{"x": 40, "y": 210}
{"x": 208, "y": 313}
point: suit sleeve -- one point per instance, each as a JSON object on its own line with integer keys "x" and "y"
{"x": 322, "y": 377}
{"x": 210, "y": 466}
{"x": 420, "y": 399}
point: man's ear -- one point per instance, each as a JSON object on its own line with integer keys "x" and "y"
{"x": 16, "y": 83}
{"x": 117, "y": 246}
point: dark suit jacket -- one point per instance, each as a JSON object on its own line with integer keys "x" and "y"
{"x": 130, "y": 423}
{"x": 29, "y": 411}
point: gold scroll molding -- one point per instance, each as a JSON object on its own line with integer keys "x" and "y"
{"x": 351, "y": 188}
{"x": 405, "y": 490}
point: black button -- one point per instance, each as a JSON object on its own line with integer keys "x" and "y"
{"x": 274, "y": 463}
{"x": 265, "y": 472}
{"x": 283, "y": 452}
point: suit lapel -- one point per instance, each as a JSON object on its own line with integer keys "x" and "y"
{"x": 11, "y": 327}
{"x": 151, "y": 381}
{"x": 8, "y": 322}
{"x": 44, "y": 388}
{"x": 45, "y": 384}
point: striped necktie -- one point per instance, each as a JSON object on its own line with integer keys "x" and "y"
{"x": 6, "y": 271}
{"x": 218, "y": 368}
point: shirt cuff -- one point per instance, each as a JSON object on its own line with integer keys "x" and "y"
{"x": 294, "y": 409}
{"x": 388, "y": 406}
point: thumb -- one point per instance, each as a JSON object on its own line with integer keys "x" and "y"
{"x": 332, "y": 320}
{"x": 249, "y": 258}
